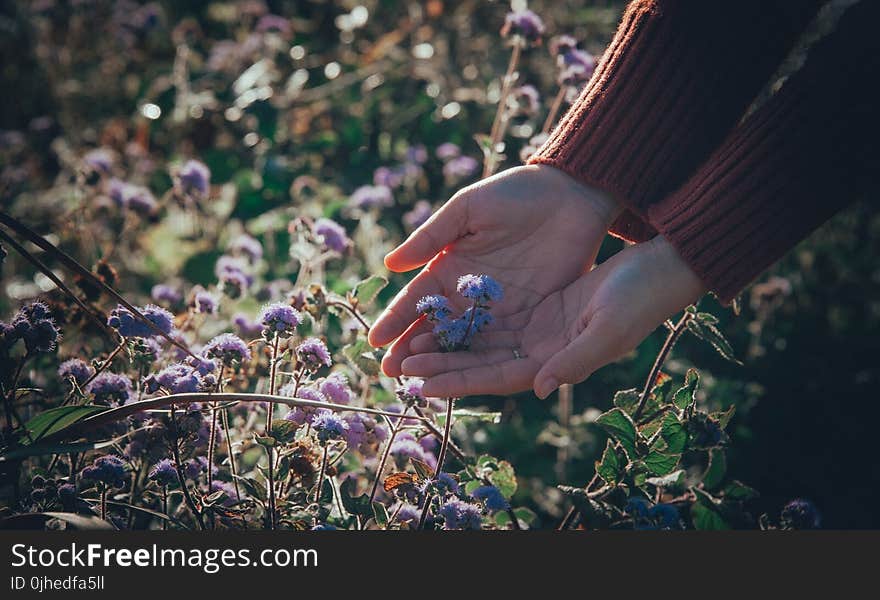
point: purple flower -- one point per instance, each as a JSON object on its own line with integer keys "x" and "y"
{"x": 480, "y": 288}
{"x": 363, "y": 434}
{"x": 332, "y": 235}
{"x": 491, "y": 497}
{"x": 457, "y": 514}
{"x": 800, "y": 514}
{"x": 447, "y": 150}
{"x": 110, "y": 388}
{"x": 205, "y": 302}
{"x": 526, "y": 100}
{"x": 329, "y": 426}
{"x": 460, "y": 167}
{"x": 234, "y": 283}
{"x": 248, "y": 246}
{"x": 163, "y": 472}
{"x": 562, "y": 44}
{"x": 420, "y": 213}
{"x": 228, "y": 348}
{"x": 434, "y": 307}
{"x": 34, "y": 324}
{"x": 141, "y": 200}
{"x": 109, "y": 470}
{"x": 99, "y": 160}
{"x": 279, "y": 319}
{"x": 386, "y": 177}
{"x": 443, "y": 485}
{"x": 408, "y": 513}
{"x": 227, "y": 488}
{"x": 165, "y": 293}
{"x": 665, "y": 515}
{"x": 302, "y": 414}
{"x": 246, "y": 327}
{"x": 406, "y": 446}
{"x": 124, "y": 321}
{"x": 335, "y": 388}
{"x": 178, "y": 378}
{"x": 574, "y": 75}
{"x": 452, "y": 334}
{"x": 481, "y": 318}
{"x": 417, "y": 154}
{"x": 370, "y": 197}
{"x": 410, "y": 392}
{"x": 195, "y": 178}
{"x": 76, "y": 369}
{"x": 273, "y": 23}
{"x": 525, "y": 24}
{"x": 312, "y": 353}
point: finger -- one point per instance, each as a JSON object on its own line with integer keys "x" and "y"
{"x": 502, "y": 378}
{"x": 435, "y": 363}
{"x": 486, "y": 340}
{"x": 401, "y": 312}
{"x": 597, "y": 345}
{"x": 444, "y": 227}
{"x": 399, "y": 350}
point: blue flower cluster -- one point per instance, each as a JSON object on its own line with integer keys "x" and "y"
{"x": 457, "y": 514}
{"x": 329, "y": 426}
{"x": 163, "y": 472}
{"x": 76, "y": 369}
{"x": 110, "y": 388}
{"x": 279, "y": 319}
{"x": 312, "y": 354}
{"x": 35, "y": 326}
{"x": 228, "y": 348}
{"x": 128, "y": 325}
{"x": 109, "y": 470}
{"x": 455, "y": 334}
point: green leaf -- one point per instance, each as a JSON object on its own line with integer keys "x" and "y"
{"x": 283, "y": 431}
{"x": 674, "y": 434}
{"x": 707, "y": 519}
{"x": 684, "y": 397}
{"x": 380, "y": 513}
{"x": 267, "y": 441}
{"x": 620, "y": 427}
{"x": 609, "y": 468}
{"x": 283, "y": 469}
{"x": 464, "y": 413}
{"x": 708, "y": 332}
{"x": 674, "y": 479}
{"x": 716, "y": 470}
{"x": 359, "y": 505}
{"x": 56, "y": 419}
{"x": 504, "y": 478}
{"x": 526, "y": 515}
{"x": 724, "y": 417}
{"x": 253, "y": 488}
{"x": 627, "y": 400}
{"x": 736, "y": 490}
{"x": 361, "y": 355}
{"x": 661, "y": 463}
{"x": 367, "y": 290}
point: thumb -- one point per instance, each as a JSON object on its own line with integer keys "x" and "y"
{"x": 444, "y": 227}
{"x": 593, "y": 348}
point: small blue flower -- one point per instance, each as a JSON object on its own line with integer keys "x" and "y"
{"x": 195, "y": 178}
{"x": 491, "y": 497}
{"x": 124, "y": 321}
{"x": 110, "y": 388}
{"x": 666, "y": 515}
{"x": 332, "y": 235}
{"x": 481, "y": 318}
{"x": 165, "y": 293}
{"x": 335, "y": 388}
{"x": 369, "y": 197}
{"x": 434, "y": 307}
{"x": 279, "y": 319}
{"x": 163, "y": 472}
{"x": 34, "y": 325}
{"x": 109, "y": 470}
{"x": 228, "y": 348}
{"x": 460, "y": 167}
{"x": 800, "y": 514}
{"x": 420, "y": 213}
{"x": 312, "y": 353}
{"x": 329, "y": 426}
{"x": 76, "y": 369}
{"x": 457, "y": 514}
{"x": 302, "y": 414}
{"x": 245, "y": 245}
{"x": 523, "y": 23}
{"x": 480, "y": 288}
{"x": 205, "y": 302}
{"x": 452, "y": 334}
{"x": 447, "y": 150}
{"x": 410, "y": 392}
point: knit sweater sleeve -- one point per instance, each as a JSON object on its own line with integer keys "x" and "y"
{"x": 787, "y": 168}
{"x": 676, "y": 78}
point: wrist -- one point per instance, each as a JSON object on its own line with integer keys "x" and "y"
{"x": 675, "y": 272}
{"x": 602, "y": 203}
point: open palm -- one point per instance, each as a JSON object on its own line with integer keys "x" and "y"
{"x": 593, "y": 321}
{"x": 533, "y": 229}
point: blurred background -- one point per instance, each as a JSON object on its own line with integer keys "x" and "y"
{"x": 290, "y": 99}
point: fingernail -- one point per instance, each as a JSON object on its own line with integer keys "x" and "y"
{"x": 546, "y": 387}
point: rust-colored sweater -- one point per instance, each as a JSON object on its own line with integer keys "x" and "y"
{"x": 661, "y": 127}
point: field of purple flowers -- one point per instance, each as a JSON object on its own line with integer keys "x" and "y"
{"x": 192, "y": 235}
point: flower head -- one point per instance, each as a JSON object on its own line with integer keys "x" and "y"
{"x": 525, "y": 24}
{"x": 458, "y": 514}
{"x": 302, "y": 414}
{"x": 99, "y": 160}
{"x": 335, "y": 388}
{"x": 453, "y": 334}
{"x": 178, "y": 378}
{"x": 480, "y": 288}
{"x": 491, "y": 497}
{"x": 163, "y": 472}
{"x": 228, "y": 348}
{"x": 562, "y": 44}
{"x": 370, "y": 197}
{"x": 420, "y": 213}
{"x": 800, "y": 514}
{"x": 410, "y": 392}
{"x": 312, "y": 353}
{"x": 205, "y": 302}
{"x": 109, "y": 470}
{"x": 162, "y": 292}
{"x": 526, "y": 100}
{"x": 247, "y": 246}
{"x": 329, "y": 426}
{"x": 195, "y": 178}
{"x": 110, "y": 388}
{"x": 34, "y": 324}
{"x": 447, "y": 150}
{"x": 332, "y": 235}
{"x": 128, "y": 325}
{"x": 279, "y": 319}
{"x": 434, "y": 307}
{"x": 76, "y": 369}
{"x": 459, "y": 168}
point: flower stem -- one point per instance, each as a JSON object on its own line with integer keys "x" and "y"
{"x": 381, "y": 468}
{"x": 554, "y": 110}
{"x": 441, "y": 458}
{"x": 103, "y": 502}
{"x": 496, "y": 133}
{"x": 180, "y": 477}
{"x": 321, "y": 476}
{"x": 165, "y": 507}
{"x": 269, "y": 453}
{"x": 661, "y": 358}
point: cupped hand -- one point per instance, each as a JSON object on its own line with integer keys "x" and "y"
{"x": 597, "y": 319}
{"x": 533, "y": 229}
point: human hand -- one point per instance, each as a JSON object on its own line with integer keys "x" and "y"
{"x": 595, "y": 320}
{"x": 533, "y": 229}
